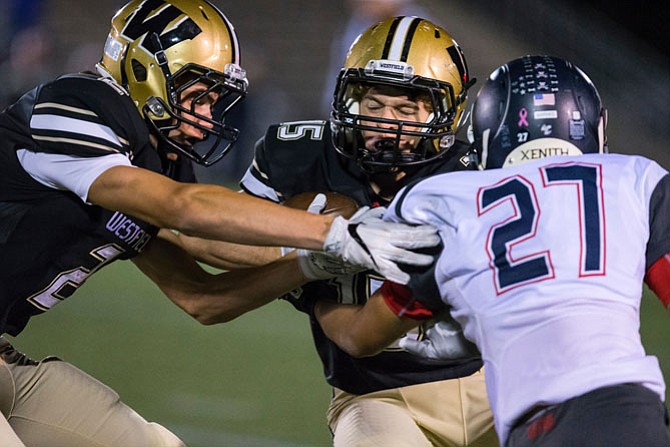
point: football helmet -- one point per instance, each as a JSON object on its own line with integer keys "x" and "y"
{"x": 411, "y": 57}
{"x": 534, "y": 107}
{"x": 156, "y": 49}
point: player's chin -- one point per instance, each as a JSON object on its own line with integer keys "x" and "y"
{"x": 190, "y": 140}
{"x": 195, "y": 137}
{"x": 190, "y": 135}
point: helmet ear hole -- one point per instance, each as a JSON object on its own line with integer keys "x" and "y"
{"x": 139, "y": 70}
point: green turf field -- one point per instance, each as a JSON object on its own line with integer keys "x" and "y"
{"x": 253, "y": 382}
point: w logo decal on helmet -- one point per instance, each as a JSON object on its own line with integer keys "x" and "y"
{"x": 138, "y": 25}
{"x": 157, "y": 50}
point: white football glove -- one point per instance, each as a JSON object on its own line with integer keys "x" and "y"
{"x": 319, "y": 265}
{"x": 444, "y": 340}
{"x": 368, "y": 241}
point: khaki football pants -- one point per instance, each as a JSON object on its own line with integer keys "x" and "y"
{"x": 448, "y": 413}
{"x": 53, "y": 404}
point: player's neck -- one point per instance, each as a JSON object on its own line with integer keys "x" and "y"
{"x": 385, "y": 186}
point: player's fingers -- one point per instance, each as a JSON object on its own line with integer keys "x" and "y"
{"x": 396, "y": 254}
{"x": 318, "y": 204}
{"x": 411, "y": 345}
{"x": 366, "y": 215}
{"x": 422, "y": 236}
{"x": 392, "y": 272}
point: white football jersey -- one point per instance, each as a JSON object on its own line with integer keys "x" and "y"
{"x": 543, "y": 266}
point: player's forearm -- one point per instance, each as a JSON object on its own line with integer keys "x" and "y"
{"x": 340, "y": 324}
{"x": 361, "y": 331}
{"x": 226, "y": 255}
{"x": 208, "y": 210}
{"x": 215, "y": 298}
{"x": 235, "y": 293}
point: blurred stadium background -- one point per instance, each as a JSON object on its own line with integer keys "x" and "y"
{"x": 257, "y": 381}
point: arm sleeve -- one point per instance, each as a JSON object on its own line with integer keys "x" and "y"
{"x": 66, "y": 172}
{"x": 401, "y": 301}
{"x": 658, "y": 279}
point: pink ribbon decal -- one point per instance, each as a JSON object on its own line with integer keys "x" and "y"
{"x": 523, "y": 113}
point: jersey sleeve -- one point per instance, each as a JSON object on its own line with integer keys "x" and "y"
{"x": 257, "y": 180}
{"x": 659, "y": 221}
{"x": 657, "y": 275}
{"x": 85, "y": 117}
{"x": 289, "y": 159}
{"x": 66, "y": 172}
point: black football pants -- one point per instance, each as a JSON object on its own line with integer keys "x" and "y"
{"x": 617, "y": 416}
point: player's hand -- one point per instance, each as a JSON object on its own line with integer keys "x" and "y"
{"x": 444, "y": 340}
{"x": 317, "y": 265}
{"x": 368, "y": 241}
{"x": 318, "y": 204}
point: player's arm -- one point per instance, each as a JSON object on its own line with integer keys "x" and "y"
{"x": 214, "y": 212}
{"x": 215, "y": 298}
{"x": 223, "y": 255}
{"x": 363, "y": 331}
{"x": 226, "y": 255}
{"x": 206, "y": 211}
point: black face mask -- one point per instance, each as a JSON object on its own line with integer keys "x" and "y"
{"x": 386, "y": 158}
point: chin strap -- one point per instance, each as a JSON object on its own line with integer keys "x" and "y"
{"x": 167, "y": 165}
{"x": 162, "y": 61}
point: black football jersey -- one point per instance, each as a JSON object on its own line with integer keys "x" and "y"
{"x": 50, "y": 240}
{"x": 298, "y": 157}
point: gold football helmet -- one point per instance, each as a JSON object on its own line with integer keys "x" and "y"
{"x": 420, "y": 60}
{"x": 156, "y": 49}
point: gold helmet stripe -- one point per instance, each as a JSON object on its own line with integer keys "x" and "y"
{"x": 399, "y": 38}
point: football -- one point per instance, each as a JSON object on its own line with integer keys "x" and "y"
{"x": 336, "y": 203}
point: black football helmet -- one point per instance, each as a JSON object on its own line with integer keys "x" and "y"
{"x": 404, "y": 54}
{"x": 534, "y": 107}
{"x": 156, "y": 49}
